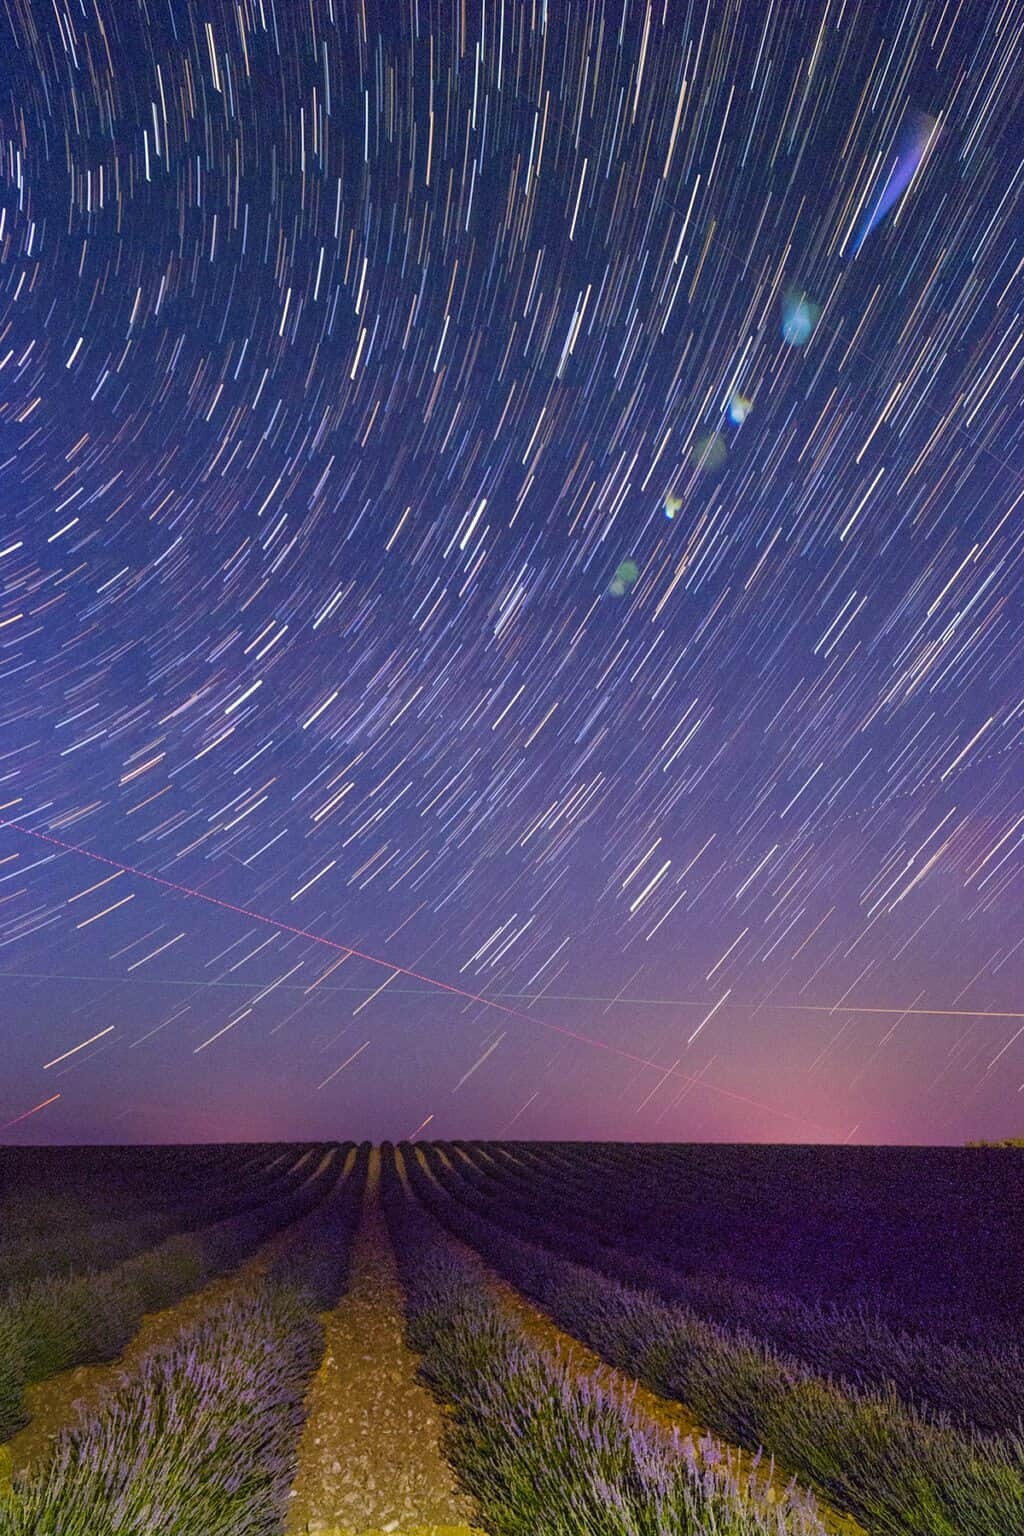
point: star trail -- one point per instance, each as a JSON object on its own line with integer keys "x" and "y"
{"x": 511, "y": 611}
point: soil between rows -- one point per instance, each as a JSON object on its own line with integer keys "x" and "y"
{"x": 369, "y": 1457}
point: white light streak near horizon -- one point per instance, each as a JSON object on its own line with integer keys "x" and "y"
{"x": 348, "y": 1060}
{"x": 708, "y": 1017}
{"x": 80, "y": 1047}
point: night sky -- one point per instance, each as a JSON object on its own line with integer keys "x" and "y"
{"x": 510, "y": 570}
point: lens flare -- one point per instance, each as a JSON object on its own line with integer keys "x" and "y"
{"x": 624, "y": 577}
{"x": 916, "y": 134}
{"x": 799, "y": 317}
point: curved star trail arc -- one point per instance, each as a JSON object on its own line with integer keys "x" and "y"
{"x": 535, "y": 492}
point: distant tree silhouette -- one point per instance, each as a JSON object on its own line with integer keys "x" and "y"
{"x": 1011, "y": 1141}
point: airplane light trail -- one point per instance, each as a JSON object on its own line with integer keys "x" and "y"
{"x": 19, "y": 1118}
{"x": 572, "y": 1034}
{"x": 550, "y": 997}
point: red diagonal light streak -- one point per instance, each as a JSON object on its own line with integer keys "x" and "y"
{"x": 18, "y": 1118}
{"x": 432, "y": 981}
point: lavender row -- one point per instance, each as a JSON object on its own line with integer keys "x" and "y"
{"x": 541, "y": 1450}
{"x": 740, "y": 1213}
{"x": 972, "y": 1374}
{"x": 88, "y": 1205}
{"x": 979, "y": 1385}
{"x": 889, "y": 1212}
{"x": 62, "y": 1230}
{"x": 316, "y": 1261}
{"x": 50, "y": 1325}
{"x": 203, "y": 1437}
{"x": 720, "y": 1210}
{"x": 867, "y": 1453}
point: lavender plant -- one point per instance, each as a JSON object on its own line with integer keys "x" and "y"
{"x": 978, "y": 1385}
{"x": 867, "y": 1452}
{"x": 50, "y": 1325}
{"x": 737, "y": 1210}
{"x": 57, "y": 1221}
{"x": 543, "y": 1451}
{"x": 201, "y": 1439}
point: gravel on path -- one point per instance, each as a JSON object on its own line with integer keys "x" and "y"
{"x": 370, "y": 1462}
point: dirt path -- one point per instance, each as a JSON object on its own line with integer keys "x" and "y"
{"x": 662, "y": 1411}
{"x": 369, "y": 1457}
{"x": 54, "y": 1403}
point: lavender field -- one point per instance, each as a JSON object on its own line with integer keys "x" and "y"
{"x": 512, "y": 1339}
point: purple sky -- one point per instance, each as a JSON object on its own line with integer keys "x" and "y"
{"x": 469, "y": 493}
